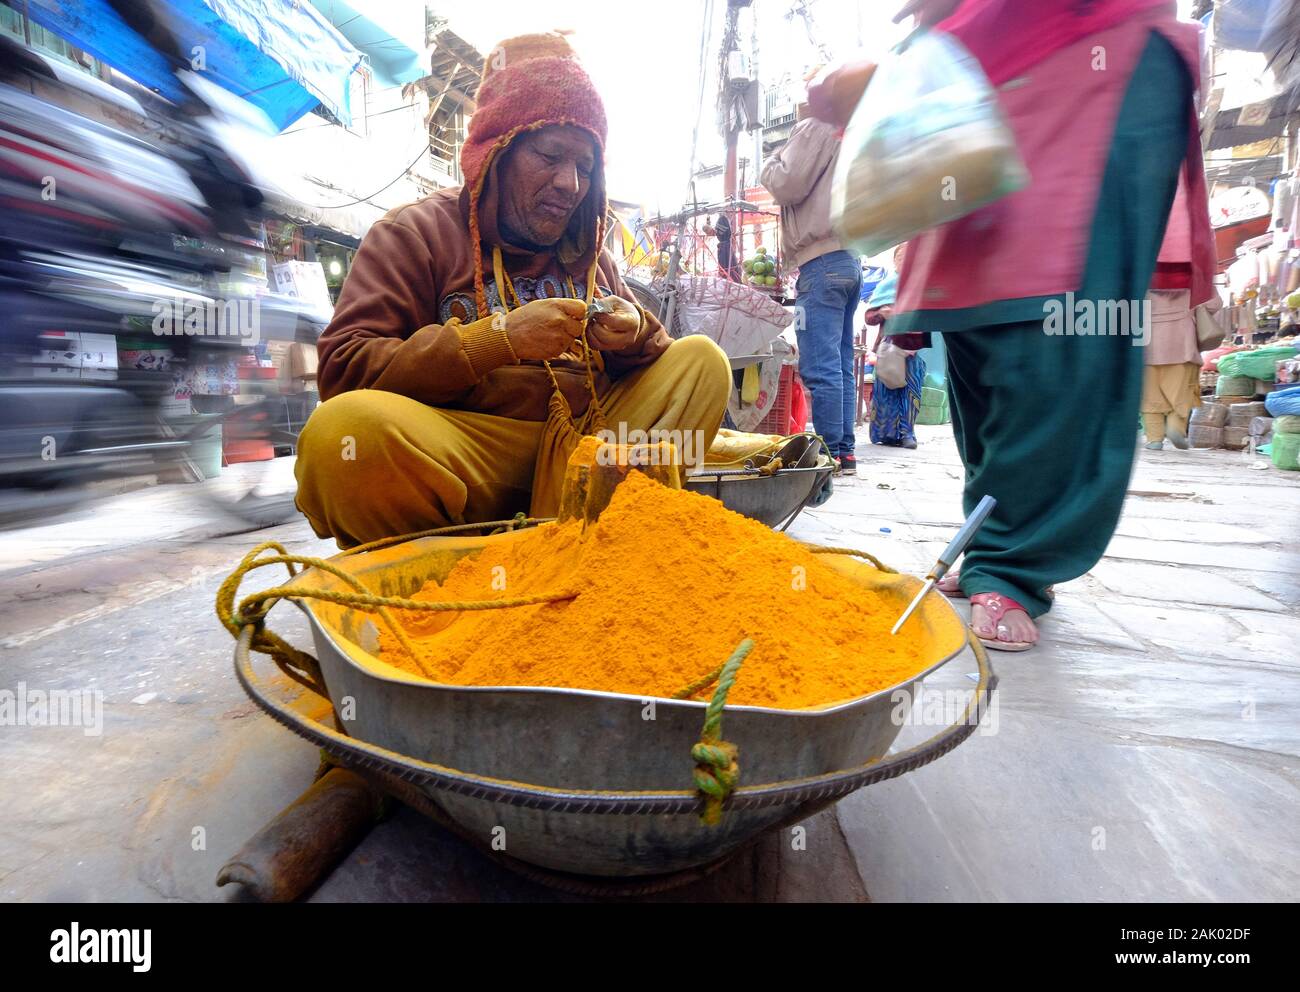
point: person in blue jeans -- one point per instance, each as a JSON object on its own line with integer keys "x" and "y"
{"x": 799, "y": 178}
{"x": 827, "y": 304}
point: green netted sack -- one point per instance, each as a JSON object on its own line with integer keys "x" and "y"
{"x": 1286, "y": 425}
{"x": 1234, "y": 385}
{"x": 934, "y": 406}
{"x": 931, "y": 396}
{"x": 1258, "y": 364}
{"x": 1284, "y": 450}
{"x": 932, "y": 415}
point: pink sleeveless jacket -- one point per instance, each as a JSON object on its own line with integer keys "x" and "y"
{"x": 1063, "y": 109}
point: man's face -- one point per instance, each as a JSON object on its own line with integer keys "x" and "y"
{"x": 544, "y": 178}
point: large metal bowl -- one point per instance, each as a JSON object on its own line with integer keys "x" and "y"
{"x": 774, "y": 498}
{"x": 594, "y": 783}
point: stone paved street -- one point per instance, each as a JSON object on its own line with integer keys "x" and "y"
{"x": 1148, "y": 750}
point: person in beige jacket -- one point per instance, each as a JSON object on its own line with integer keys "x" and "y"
{"x": 799, "y": 178}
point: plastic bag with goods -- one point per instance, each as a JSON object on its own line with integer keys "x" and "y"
{"x": 1286, "y": 424}
{"x": 1285, "y": 451}
{"x": 1260, "y": 363}
{"x": 1282, "y": 402}
{"x": 928, "y": 144}
{"x": 1234, "y": 385}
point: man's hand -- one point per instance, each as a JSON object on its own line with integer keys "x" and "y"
{"x": 545, "y": 329}
{"x": 616, "y": 330}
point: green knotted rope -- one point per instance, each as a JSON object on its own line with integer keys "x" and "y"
{"x": 716, "y": 769}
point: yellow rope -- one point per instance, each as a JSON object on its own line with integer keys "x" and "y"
{"x": 517, "y": 523}
{"x": 821, "y": 549}
{"x": 254, "y": 608}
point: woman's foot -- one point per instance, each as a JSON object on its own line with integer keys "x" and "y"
{"x": 1154, "y": 445}
{"x": 948, "y": 585}
{"x": 908, "y": 442}
{"x": 1176, "y": 436}
{"x": 1001, "y": 623}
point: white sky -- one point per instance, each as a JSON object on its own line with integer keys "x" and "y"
{"x": 643, "y": 58}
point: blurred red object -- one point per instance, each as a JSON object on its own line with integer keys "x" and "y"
{"x": 799, "y": 412}
{"x": 246, "y": 451}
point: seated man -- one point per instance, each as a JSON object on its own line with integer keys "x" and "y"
{"x": 463, "y": 316}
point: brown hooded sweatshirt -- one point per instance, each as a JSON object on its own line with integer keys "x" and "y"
{"x": 407, "y": 321}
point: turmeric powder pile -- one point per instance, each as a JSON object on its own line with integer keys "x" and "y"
{"x": 668, "y": 582}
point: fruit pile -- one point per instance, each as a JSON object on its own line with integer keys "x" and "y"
{"x": 761, "y": 270}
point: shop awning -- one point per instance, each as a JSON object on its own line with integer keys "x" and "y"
{"x": 390, "y": 33}
{"x": 1268, "y": 26}
{"x": 282, "y": 57}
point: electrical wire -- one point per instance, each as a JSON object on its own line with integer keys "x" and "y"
{"x": 365, "y": 199}
{"x": 706, "y": 33}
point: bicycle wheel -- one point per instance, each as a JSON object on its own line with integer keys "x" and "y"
{"x": 651, "y": 302}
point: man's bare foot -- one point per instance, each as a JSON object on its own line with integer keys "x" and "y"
{"x": 1002, "y": 623}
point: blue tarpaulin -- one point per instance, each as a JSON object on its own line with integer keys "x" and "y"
{"x": 280, "y": 56}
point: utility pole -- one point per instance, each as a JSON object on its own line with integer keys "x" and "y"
{"x": 734, "y": 78}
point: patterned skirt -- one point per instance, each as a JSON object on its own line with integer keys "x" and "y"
{"x": 893, "y": 411}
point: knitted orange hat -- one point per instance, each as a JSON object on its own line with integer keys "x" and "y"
{"x": 529, "y": 82}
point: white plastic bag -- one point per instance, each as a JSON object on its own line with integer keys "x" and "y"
{"x": 926, "y": 145}
{"x": 891, "y": 365}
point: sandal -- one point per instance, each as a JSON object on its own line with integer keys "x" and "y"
{"x": 948, "y": 585}
{"x": 998, "y": 606}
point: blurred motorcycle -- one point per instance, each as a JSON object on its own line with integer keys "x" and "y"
{"x": 121, "y": 219}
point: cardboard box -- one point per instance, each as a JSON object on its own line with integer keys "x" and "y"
{"x": 305, "y": 280}
{"x": 75, "y": 356}
{"x": 303, "y": 361}
{"x": 277, "y": 352}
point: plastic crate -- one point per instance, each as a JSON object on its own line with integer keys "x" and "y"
{"x": 777, "y": 419}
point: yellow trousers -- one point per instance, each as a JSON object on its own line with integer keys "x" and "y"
{"x": 374, "y": 464}
{"x": 1169, "y": 392}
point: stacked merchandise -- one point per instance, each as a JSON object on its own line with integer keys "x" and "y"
{"x": 1284, "y": 448}
{"x": 1262, "y": 281}
{"x": 1236, "y": 431}
{"x": 934, "y": 406}
{"x": 1253, "y": 371}
{"x": 1205, "y": 428}
{"x": 1261, "y": 431}
{"x": 1232, "y": 389}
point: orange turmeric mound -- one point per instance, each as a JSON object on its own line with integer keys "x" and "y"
{"x": 668, "y": 583}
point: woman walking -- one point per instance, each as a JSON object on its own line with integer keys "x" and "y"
{"x": 1099, "y": 95}
{"x": 893, "y": 410}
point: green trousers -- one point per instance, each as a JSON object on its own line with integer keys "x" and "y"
{"x": 1046, "y": 423}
